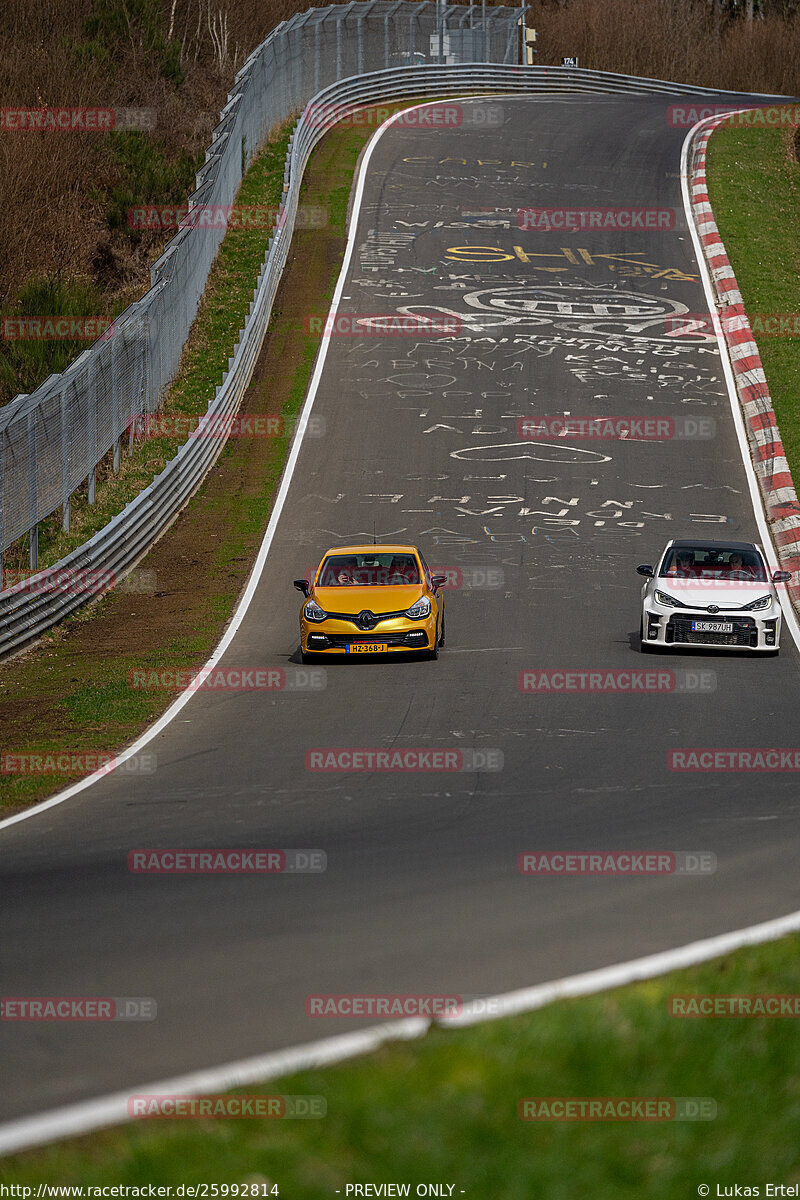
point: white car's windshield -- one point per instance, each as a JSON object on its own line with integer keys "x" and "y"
{"x": 704, "y": 562}
{"x": 368, "y": 570}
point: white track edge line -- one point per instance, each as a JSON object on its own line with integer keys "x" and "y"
{"x": 241, "y": 610}
{"x": 104, "y": 1111}
{"x": 90, "y": 1115}
{"x": 756, "y": 499}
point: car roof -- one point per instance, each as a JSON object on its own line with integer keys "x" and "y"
{"x": 709, "y": 544}
{"x": 369, "y": 548}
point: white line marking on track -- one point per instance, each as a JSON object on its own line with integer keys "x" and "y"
{"x": 175, "y": 708}
{"x": 789, "y": 618}
{"x": 112, "y": 1109}
{"x": 90, "y": 1115}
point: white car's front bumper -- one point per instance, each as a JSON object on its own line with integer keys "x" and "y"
{"x": 663, "y": 626}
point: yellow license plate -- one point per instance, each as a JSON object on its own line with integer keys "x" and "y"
{"x": 366, "y": 648}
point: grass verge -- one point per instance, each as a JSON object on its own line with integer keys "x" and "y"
{"x": 754, "y": 188}
{"x": 445, "y": 1109}
{"x": 222, "y": 313}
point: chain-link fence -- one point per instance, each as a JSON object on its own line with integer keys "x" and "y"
{"x": 52, "y": 440}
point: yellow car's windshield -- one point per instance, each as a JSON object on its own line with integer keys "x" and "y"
{"x": 368, "y": 570}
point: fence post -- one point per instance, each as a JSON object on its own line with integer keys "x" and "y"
{"x": 463, "y": 35}
{"x": 91, "y": 381}
{"x": 1, "y": 512}
{"x": 338, "y": 20}
{"x": 33, "y": 491}
{"x": 66, "y": 446}
{"x": 115, "y": 413}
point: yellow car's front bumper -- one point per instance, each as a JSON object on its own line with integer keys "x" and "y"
{"x": 398, "y": 635}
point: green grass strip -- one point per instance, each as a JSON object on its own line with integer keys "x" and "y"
{"x": 754, "y": 188}
{"x": 445, "y": 1109}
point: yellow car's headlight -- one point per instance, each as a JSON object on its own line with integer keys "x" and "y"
{"x": 421, "y": 609}
{"x": 313, "y": 612}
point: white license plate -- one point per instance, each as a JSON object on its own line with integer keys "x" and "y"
{"x": 712, "y": 627}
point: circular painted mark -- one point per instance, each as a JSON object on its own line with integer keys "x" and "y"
{"x": 416, "y": 379}
{"x": 539, "y": 451}
{"x": 572, "y": 301}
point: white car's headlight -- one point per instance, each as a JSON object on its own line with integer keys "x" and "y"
{"x": 313, "y": 612}
{"x": 755, "y": 605}
{"x": 668, "y": 601}
{"x": 419, "y": 610}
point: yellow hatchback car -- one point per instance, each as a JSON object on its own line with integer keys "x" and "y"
{"x": 374, "y": 600}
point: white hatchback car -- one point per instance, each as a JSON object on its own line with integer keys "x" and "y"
{"x": 711, "y": 594}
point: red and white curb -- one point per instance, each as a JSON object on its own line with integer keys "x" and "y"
{"x": 781, "y": 505}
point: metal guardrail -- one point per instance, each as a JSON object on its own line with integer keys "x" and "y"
{"x": 52, "y": 440}
{"x": 30, "y": 608}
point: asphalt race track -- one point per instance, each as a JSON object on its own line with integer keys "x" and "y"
{"x": 422, "y": 891}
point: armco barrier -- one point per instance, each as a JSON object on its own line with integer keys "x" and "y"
{"x": 26, "y": 612}
{"x": 52, "y": 440}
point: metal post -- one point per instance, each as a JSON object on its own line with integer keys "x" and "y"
{"x": 338, "y": 46}
{"x": 1, "y": 516}
{"x": 442, "y": 10}
{"x": 115, "y": 413}
{"x": 483, "y": 27}
{"x": 65, "y": 460}
{"x": 33, "y": 487}
{"x": 92, "y": 404}
{"x": 390, "y": 17}
{"x": 463, "y": 35}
